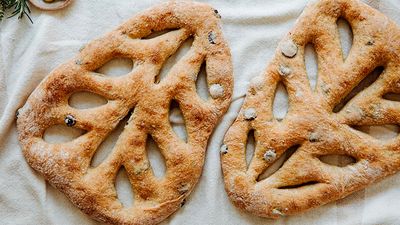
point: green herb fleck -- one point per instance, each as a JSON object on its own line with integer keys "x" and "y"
{"x": 20, "y": 7}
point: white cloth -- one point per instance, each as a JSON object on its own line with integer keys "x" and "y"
{"x": 252, "y": 28}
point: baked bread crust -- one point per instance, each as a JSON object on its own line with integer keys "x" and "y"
{"x": 304, "y": 181}
{"x": 67, "y": 165}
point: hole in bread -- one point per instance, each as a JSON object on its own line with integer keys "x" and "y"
{"x": 155, "y": 34}
{"x": 346, "y": 36}
{"x": 86, "y": 100}
{"x": 156, "y": 159}
{"x": 278, "y": 163}
{"x": 177, "y": 121}
{"x": 123, "y": 188}
{"x": 281, "y": 102}
{"x": 108, "y": 143}
{"x": 309, "y": 183}
{"x": 392, "y": 96}
{"x": 380, "y": 132}
{"x": 173, "y": 59}
{"x": 337, "y": 160}
{"x": 61, "y": 134}
{"x": 201, "y": 83}
{"x": 116, "y": 67}
{"x": 250, "y": 147}
{"x": 363, "y": 84}
{"x": 311, "y": 61}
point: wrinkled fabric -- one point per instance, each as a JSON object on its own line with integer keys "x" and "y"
{"x": 28, "y": 52}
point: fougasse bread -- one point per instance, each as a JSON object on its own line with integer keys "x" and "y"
{"x": 67, "y": 165}
{"x": 314, "y": 124}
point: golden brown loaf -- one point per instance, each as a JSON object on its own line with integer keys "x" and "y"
{"x": 311, "y": 124}
{"x": 67, "y": 165}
